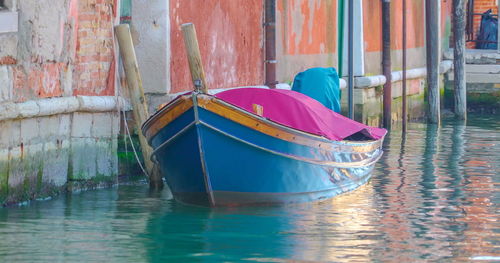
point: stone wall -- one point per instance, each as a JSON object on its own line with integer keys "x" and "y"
{"x": 42, "y": 156}
{"x": 51, "y": 137}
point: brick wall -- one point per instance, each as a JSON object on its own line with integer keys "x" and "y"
{"x": 481, "y": 6}
{"x": 62, "y": 48}
{"x": 94, "y": 48}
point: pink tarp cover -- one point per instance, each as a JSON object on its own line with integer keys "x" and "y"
{"x": 298, "y": 111}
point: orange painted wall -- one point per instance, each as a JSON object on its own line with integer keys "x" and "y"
{"x": 415, "y": 21}
{"x": 372, "y": 12}
{"x": 309, "y": 27}
{"x": 230, "y": 35}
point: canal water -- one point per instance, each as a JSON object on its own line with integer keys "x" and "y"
{"x": 435, "y": 196}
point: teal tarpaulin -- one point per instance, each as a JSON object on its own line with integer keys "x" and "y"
{"x": 321, "y": 84}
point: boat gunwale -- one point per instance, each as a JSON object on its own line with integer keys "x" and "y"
{"x": 205, "y": 99}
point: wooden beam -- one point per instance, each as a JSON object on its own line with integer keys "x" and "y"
{"x": 139, "y": 104}
{"x": 194, "y": 57}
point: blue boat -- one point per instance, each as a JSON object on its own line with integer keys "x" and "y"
{"x": 214, "y": 153}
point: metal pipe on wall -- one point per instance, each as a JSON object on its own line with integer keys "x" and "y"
{"x": 270, "y": 42}
{"x": 405, "y": 107}
{"x": 386, "y": 62}
{"x": 350, "y": 65}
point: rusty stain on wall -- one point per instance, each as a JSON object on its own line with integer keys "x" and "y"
{"x": 230, "y": 34}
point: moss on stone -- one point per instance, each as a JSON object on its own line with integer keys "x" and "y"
{"x": 486, "y": 100}
{"x": 4, "y": 186}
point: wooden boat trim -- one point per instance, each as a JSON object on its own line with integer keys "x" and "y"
{"x": 166, "y": 115}
{"x": 358, "y": 164}
{"x": 173, "y": 110}
{"x": 277, "y": 130}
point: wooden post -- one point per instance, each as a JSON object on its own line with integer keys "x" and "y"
{"x": 432, "y": 45}
{"x": 405, "y": 107}
{"x": 386, "y": 62}
{"x": 140, "y": 109}
{"x": 194, "y": 56}
{"x": 270, "y": 42}
{"x": 350, "y": 60}
{"x": 460, "y": 90}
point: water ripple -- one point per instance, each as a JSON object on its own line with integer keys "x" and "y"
{"x": 434, "y": 196}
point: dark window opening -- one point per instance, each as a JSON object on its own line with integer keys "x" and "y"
{"x": 2, "y": 5}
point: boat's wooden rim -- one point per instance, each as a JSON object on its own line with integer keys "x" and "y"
{"x": 182, "y": 104}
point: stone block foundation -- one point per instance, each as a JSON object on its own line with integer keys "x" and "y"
{"x": 43, "y": 156}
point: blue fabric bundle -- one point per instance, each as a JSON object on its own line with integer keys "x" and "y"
{"x": 321, "y": 84}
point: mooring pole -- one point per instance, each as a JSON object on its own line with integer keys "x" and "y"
{"x": 350, "y": 66}
{"x": 194, "y": 57}
{"x": 432, "y": 47}
{"x": 270, "y": 43}
{"x": 405, "y": 107}
{"x": 386, "y": 62}
{"x": 460, "y": 90}
{"x": 138, "y": 100}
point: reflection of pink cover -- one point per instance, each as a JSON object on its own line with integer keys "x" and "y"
{"x": 298, "y": 111}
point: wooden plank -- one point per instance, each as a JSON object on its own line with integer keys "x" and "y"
{"x": 139, "y": 104}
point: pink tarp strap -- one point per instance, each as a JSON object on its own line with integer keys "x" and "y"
{"x": 298, "y": 111}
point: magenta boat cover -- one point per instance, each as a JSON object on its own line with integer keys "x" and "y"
{"x": 298, "y": 111}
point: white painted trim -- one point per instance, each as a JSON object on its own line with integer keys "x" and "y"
{"x": 359, "y": 82}
{"x": 378, "y": 80}
{"x": 8, "y": 22}
{"x": 61, "y": 105}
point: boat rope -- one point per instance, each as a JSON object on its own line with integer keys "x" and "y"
{"x": 133, "y": 147}
{"x": 119, "y": 89}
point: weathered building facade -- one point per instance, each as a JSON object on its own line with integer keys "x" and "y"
{"x": 309, "y": 33}
{"x": 59, "y": 90}
{"x": 58, "y": 111}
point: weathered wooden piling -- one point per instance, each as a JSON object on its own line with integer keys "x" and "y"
{"x": 386, "y": 62}
{"x": 270, "y": 42}
{"x": 139, "y": 104}
{"x": 433, "y": 55}
{"x": 460, "y": 90}
{"x": 194, "y": 56}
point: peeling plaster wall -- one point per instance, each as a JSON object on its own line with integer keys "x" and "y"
{"x": 151, "y": 27}
{"x": 306, "y": 36}
{"x": 230, "y": 34}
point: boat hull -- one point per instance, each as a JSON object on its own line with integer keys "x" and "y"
{"x": 213, "y": 156}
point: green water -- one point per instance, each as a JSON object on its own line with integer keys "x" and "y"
{"x": 434, "y": 197}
